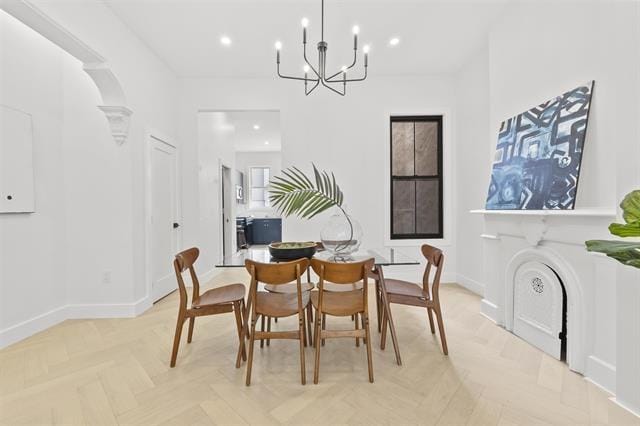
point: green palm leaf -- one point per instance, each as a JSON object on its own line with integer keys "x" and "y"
{"x": 295, "y": 193}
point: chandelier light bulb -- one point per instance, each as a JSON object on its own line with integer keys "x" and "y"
{"x": 356, "y": 29}
{"x": 305, "y": 22}
{"x": 225, "y": 40}
{"x": 306, "y": 68}
{"x": 366, "y": 48}
{"x": 394, "y": 41}
{"x": 256, "y": 127}
{"x": 344, "y": 68}
{"x": 278, "y": 45}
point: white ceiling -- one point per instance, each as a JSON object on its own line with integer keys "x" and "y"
{"x": 436, "y": 36}
{"x": 245, "y": 137}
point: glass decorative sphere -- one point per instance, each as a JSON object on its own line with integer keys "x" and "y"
{"x": 341, "y": 234}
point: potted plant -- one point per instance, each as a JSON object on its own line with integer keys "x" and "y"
{"x": 624, "y": 252}
{"x": 295, "y": 193}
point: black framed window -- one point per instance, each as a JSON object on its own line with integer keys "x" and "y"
{"x": 416, "y": 177}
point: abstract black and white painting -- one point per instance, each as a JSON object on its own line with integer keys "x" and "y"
{"x": 537, "y": 160}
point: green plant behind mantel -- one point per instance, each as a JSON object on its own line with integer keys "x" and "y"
{"x": 624, "y": 252}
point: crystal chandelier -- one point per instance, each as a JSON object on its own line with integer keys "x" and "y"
{"x": 337, "y": 82}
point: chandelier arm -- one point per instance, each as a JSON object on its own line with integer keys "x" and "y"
{"x": 331, "y": 88}
{"x": 295, "y": 78}
{"x": 304, "y": 54}
{"x": 307, "y": 93}
{"x": 349, "y": 80}
{"x": 355, "y": 58}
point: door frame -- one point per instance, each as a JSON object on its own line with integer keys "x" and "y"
{"x": 150, "y": 136}
{"x": 221, "y": 167}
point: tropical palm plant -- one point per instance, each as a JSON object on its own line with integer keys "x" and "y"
{"x": 624, "y": 252}
{"x": 296, "y": 194}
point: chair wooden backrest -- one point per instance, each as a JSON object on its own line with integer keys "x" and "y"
{"x": 342, "y": 273}
{"x": 276, "y": 274}
{"x": 183, "y": 261}
{"x": 435, "y": 261}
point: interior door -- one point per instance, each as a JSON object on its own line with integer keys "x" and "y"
{"x": 228, "y": 222}
{"x": 538, "y": 307}
{"x": 164, "y": 217}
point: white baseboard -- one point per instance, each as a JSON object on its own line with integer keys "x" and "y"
{"x": 489, "y": 310}
{"x": 470, "y": 284}
{"x": 601, "y": 373}
{"x": 634, "y": 411}
{"x": 24, "y": 329}
{"x": 108, "y": 310}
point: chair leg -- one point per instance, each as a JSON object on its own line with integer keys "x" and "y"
{"x": 310, "y": 323}
{"x": 262, "y": 329}
{"x": 192, "y": 322}
{"x": 383, "y": 337}
{"x": 252, "y": 338}
{"x": 268, "y": 330}
{"x": 378, "y": 305}
{"x": 176, "y": 339}
{"x": 304, "y": 327}
{"x": 316, "y": 368}
{"x": 365, "y": 319}
{"x": 301, "y": 336}
{"x": 242, "y": 354}
{"x": 324, "y": 324}
{"x": 443, "y": 338}
{"x": 430, "y": 313}
{"x": 356, "y": 326}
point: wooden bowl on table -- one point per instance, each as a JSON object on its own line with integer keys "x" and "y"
{"x": 289, "y": 250}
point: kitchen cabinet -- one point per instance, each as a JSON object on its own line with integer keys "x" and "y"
{"x": 266, "y": 230}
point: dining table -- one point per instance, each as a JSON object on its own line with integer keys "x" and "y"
{"x": 383, "y": 256}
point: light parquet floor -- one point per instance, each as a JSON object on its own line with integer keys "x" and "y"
{"x": 116, "y": 371}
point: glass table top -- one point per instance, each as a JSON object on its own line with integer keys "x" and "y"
{"x": 382, "y": 257}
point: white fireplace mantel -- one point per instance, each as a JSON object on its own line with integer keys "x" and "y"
{"x": 594, "y": 212}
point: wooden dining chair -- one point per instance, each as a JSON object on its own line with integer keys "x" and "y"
{"x": 426, "y": 296}
{"x": 290, "y": 288}
{"x": 276, "y": 304}
{"x": 229, "y": 298}
{"x": 341, "y": 303}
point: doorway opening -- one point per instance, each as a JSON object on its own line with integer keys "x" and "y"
{"x": 239, "y": 152}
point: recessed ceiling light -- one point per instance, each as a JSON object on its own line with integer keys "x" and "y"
{"x": 394, "y": 41}
{"x": 225, "y": 40}
{"x": 266, "y": 142}
{"x": 256, "y": 127}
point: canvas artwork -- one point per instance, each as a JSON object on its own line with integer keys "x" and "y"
{"x": 537, "y": 160}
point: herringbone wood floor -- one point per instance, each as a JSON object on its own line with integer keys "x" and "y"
{"x": 117, "y": 371}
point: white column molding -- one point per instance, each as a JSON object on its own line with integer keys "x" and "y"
{"x": 95, "y": 65}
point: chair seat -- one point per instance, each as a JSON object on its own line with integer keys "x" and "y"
{"x": 279, "y": 304}
{"x": 288, "y": 288}
{"x": 404, "y": 288}
{"x": 221, "y": 295}
{"x": 340, "y": 288}
{"x": 339, "y": 304}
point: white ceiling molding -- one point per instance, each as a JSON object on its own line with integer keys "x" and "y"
{"x": 94, "y": 64}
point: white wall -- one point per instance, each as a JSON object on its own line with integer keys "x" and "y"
{"x": 538, "y": 50}
{"x": 346, "y": 135}
{"x": 89, "y": 216}
{"x": 473, "y": 138}
{"x": 244, "y": 161}
{"x": 215, "y": 148}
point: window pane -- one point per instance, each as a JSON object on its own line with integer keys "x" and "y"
{"x": 426, "y": 148}
{"x": 404, "y": 207}
{"x": 428, "y": 206}
{"x": 267, "y": 202}
{"x": 402, "y": 154}
{"x": 266, "y": 176}
{"x": 257, "y": 177}
{"x": 257, "y": 194}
